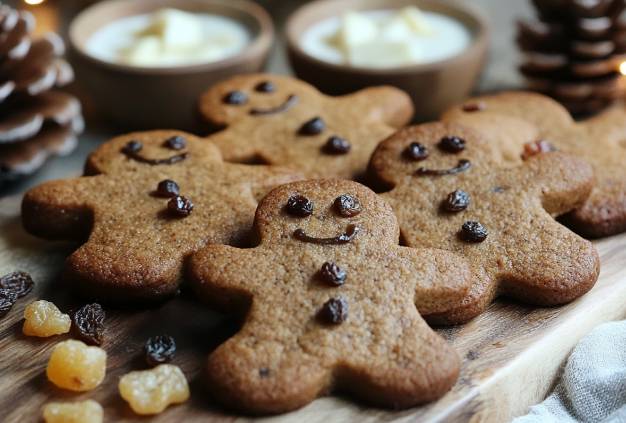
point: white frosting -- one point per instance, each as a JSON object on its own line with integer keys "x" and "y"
{"x": 386, "y": 38}
{"x": 168, "y": 37}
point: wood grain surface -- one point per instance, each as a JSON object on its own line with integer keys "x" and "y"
{"x": 511, "y": 354}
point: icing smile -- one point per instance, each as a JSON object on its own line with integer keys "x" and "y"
{"x": 134, "y": 155}
{"x": 286, "y": 105}
{"x": 344, "y": 238}
{"x": 462, "y": 166}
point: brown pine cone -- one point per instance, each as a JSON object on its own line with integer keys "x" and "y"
{"x": 35, "y": 122}
{"x": 574, "y": 52}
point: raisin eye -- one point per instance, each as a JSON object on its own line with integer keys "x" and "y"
{"x": 265, "y": 87}
{"x": 300, "y": 206}
{"x": 235, "y": 98}
{"x": 347, "y": 205}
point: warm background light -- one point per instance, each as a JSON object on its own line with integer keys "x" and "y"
{"x": 34, "y": 2}
{"x": 622, "y": 68}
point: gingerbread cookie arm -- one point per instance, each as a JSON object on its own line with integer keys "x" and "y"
{"x": 60, "y": 209}
{"x": 389, "y": 104}
{"x": 261, "y": 179}
{"x": 236, "y": 146}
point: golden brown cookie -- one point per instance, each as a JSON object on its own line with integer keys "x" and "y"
{"x": 599, "y": 140}
{"x": 330, "y": 303}
{"x": 280, "y": 120}
{"x": 450, "y": 191}
{"x": 152, "y": 199}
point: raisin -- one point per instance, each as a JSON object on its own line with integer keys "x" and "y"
{"x": 537, "y": 147}
{"x": 337, "y": 145}
{"x": 132, "y": 146}
{"x": 347, "y": 205}
{"x": 159, "y": 349}
{"x": 264, "y": 372}
{"x": 177, "y": 142}
{"x": 235, "y": 98}
{"x": 473, "y": 107}
{"x": 416, "y": 152}
{"x": 299, "y": 205}
{"x": 334, "y": 311}
{"x": 88, "y": 411}
{"x": 151, "y": 391}
{"x": 76, "y": 366}
{"x": 88, "y": 323}
{"x": 167, "y": 188}
{"x": 19, "y": 282}
{"x": 265, "y": 87}
{"x": 42, "y": 318}
{"x": 313, "y": 126}
{"x": 7, "y": 299}
{"x": 473, "y": 231}
{"x": 333, "y": 274}
{"x": 456, "y": 201}
{"x": 180, "y": 206}
{"x": 452, "y": 144}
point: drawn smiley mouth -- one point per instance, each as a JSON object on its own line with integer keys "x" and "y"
{"x": 134, "y": 155}
{"x": 344, "y": 238}
{"x": 462, "y": 166}
{"x": 291, "y": 101}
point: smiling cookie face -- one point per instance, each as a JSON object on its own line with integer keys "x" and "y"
{"x": 331, "y": 213}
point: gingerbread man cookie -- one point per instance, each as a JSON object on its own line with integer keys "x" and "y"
{"x": 330, "y": 303}
{"x": 280, "y": 120}
{"x": 449, "y": 191}
{"x": 599, "y": 140}
{"x": 152, "y": 200}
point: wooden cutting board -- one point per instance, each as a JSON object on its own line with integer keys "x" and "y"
{"x": 511, "y": 354}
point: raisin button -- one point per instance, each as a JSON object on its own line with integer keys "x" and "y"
{"x": 347, "y": 205}
{"x": 180, "y": 206}
{"x": 7, "y": 299}
{"x": 334, "y": 311}
{"x": 167, "y": 188}
{"x": 337, "y": 145}
{"x": 473, "y": 231}
{"x": 313, "y": 126}
{"x": 132, "y": 147}
{"x": 235, "y": 98}
{"x": 88, "y": 323}
{"x": 299, "y": 205}
{"x": 333, "y": 274}
{"x": 416, "y": 151}
{"x": 159, "y": 349}
{"x": 176, "y": 142}
{"x": 265, "y": 87}
{"x": 456, "y": 201}
{"x": 452, "y": 144}
{"x": 19, "y": 282}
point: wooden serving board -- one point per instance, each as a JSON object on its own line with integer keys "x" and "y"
{"x": 511, "y": 354}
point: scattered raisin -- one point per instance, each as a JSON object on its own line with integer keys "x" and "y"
{"x": 473, "y": 231}
{"x": 235, "y": 98}
{"x": 88, "y": 323}
{"x": 7, "y": 299}
{"x": 180, "y": 206}
{"x": 299, "y": 205}
{"x": 537, "y": 147}
{"x": 264, "y": 372}
{"x": 151, "y": 391}
{"x": 132, "y": 146}
{"x": 265, "y": 87}
{"x": 498, "y": 189}
{"x": 76, "y": 366}
{"x": 42, "y": 318}
{"x": 337, "y": 145}
{"x": 159, "y": 349}
{"x": 456, "y": 201}
{"x": 167, "y": 188}
{"x": 88, "y": 411}
{"x": 19, "y": 282}
{"x": 313, "y": 126}
{"x": 177, "y": 142}
{"x": 347, "y": 205}
{"x": 334, "y": 311}
{"x": 473, "y": 107}
{"x": 452, "y": 144}
{"x": 333, "y": 274}
{"x": 416, "y": 151}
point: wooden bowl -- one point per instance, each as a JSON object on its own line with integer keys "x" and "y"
{"x": 433, "y": 86}
{"x": 161, "y": 97}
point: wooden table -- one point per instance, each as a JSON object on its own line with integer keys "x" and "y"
{"x": 511, "y": 354}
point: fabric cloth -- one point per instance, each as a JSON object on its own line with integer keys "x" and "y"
{"x": 592, "y": 387}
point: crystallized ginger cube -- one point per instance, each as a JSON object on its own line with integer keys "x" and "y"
{"x": 76, "y": 366}
{"x": 43, "y": 318}
{"x": 73, "y": 412}
{"x": 151, "y": 391}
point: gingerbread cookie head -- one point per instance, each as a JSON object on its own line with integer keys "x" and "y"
{"x": 280, "y": 120}
{"x": 449, "y": 191}
{"x": 327, "y": 310}
{"x": 150, "y": 200}
{"x": 599, "y": 141}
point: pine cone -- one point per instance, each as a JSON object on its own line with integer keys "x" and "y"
{"x": 574, "y": 51}
{"x": 35, "y": 122}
